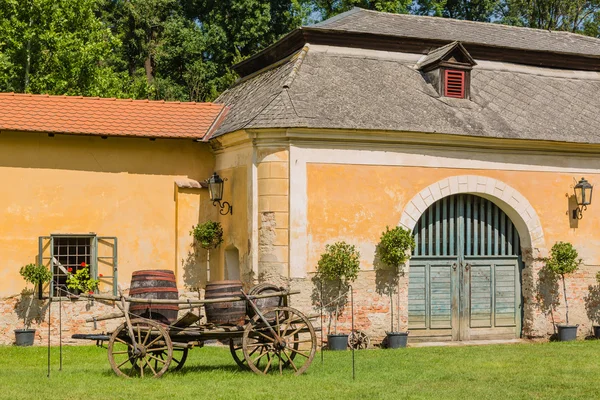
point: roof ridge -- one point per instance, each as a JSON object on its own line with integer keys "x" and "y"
{"x": 104, "y": 99}
{"x": 297, "y": 64}
{"x": 467, "y": 21}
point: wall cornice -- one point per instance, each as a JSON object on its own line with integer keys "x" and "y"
{"x": 366, "y": 139}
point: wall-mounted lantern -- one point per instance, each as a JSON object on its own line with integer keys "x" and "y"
{"x": 583, "y": 195}
{"x": 215, "y": 191}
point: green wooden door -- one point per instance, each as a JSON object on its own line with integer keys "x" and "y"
{"x": 464, "y": 279}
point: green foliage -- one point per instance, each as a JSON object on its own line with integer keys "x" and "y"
{"x": 209, "y": 234}
{"x": 341, "y": 261}
{"x": 35, "y": 274}
{"x": 82, "y": 281}
{"x": 394, "y": 246}
{"x": 563, "y": 259}
{"x": 581, "y": 16}
{"x": 329, "y": 8}
{"x": 473, "y": 10}
{"x": 56, "y": 47}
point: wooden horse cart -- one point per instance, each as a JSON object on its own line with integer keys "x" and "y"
{"x": 271, "y": 340}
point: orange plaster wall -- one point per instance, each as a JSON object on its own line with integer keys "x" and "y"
{"x": 122, "y": 187}
{"x": 355, "y": 202}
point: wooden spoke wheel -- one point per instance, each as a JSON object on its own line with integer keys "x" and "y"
{"x": 142, "y": 358}
{"x": 290, "y": 341}
{"x": 237, "y": 352}
{"x": 179, "y": 356}
{"x": 358, "y": 340}
{"x": 235, "y": 347}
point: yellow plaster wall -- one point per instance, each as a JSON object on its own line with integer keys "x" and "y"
{"x": 120, "y": 187}
{"x": 235, "y": 226}
{"x": 356, "y": 202}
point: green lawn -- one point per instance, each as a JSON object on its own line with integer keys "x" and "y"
{"x": 523, "y": 371}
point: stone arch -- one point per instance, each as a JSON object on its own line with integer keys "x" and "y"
{"x": 521, "y": 213}
{"x": 513, "y": 203}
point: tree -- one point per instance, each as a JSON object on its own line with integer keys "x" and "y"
{"x": 563, "y": 260}
{"x": 56, "y": 47}
{"x": 472, "y": 10}
{"x": 337, "y": 268}
{"x": 582, "y": 16}
{"x": 393, "y": 251}
{"x": 329, "y": 8}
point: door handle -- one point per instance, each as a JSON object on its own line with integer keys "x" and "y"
{"x": 454, "y": 266}
{"x": 467, "y": 266}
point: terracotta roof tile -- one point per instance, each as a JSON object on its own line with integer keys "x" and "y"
{"x": 107, "y": 117}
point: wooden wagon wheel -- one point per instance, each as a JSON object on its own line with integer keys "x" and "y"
{"x": 179, "y": 356}
{"x": 358, "y": 340}
{"x": 237, "y": 352}
{"x": 289, "y": 337}
{"x": 135, "y": 356}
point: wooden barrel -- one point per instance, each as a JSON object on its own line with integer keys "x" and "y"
{"x": 226, "y": 313}
{"x": 269, "y": 302}
{"x": 154, "y": 284}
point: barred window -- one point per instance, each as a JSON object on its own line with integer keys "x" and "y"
{"x": 65, "y": 254}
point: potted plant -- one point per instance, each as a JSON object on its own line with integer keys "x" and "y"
{"x": 564, "y": 260}
{"x": 336, "y": 269}
{"x": 208, "y": 235}
{"x": 81, "y": 281}
{"x": 393, "y": 251}
{"x": 36, "y": 275}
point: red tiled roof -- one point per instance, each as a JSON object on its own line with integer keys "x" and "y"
{"x": 108, "y": 117}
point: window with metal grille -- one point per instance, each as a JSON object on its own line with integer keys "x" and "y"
{"x": 454, "y": 83}
{"x": 66, "y": 254}
{"x": 71, "y": 253}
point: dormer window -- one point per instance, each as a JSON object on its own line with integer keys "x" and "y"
{"x": 448, "y": 69}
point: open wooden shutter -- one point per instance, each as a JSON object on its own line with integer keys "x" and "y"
{"x": 106, "y": 267}
{"x": 454, "y": 83}
{"x": 45, "y": 255}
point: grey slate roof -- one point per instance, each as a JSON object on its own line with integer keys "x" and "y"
{"x": 423, "y": 27}
{"x": 325, "y": 89}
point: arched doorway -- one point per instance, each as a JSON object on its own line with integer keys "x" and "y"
{"x": 465, "y": 273}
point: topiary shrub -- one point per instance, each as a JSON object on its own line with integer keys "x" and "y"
{"x": 563, "y": 260}
{"x": 338, "y": 267}
{"x": 393, "y": 251}
{"x": 394, "y": 246}
{"x": 208, "y": 234}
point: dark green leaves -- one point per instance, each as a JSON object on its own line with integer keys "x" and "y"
{"x": 341, "y": 261}
{"x": 209, "y": 234}
{"x": 563, "y": 259}
{"x": 394, "y": 246}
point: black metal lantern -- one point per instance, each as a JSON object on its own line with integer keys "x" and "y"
{"x": 215, "y": 191}
{"x": 583, "y": 194}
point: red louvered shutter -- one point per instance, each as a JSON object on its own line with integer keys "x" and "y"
{"x": 454, "y": 83}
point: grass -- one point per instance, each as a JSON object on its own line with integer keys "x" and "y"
{"x": 518, "y": 371}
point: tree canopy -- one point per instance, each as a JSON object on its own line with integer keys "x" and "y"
{"x": 184, "y": 49}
